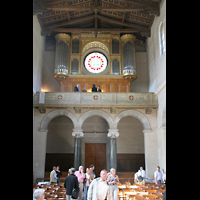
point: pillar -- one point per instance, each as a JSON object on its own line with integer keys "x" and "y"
{"x": 61, "y": 56}
{"x": 39, "y": 153}
{"x": 113, "y": 134}
{"x": 128, "y": 57}
{"x": 161, "y": 134}
{"x": 151, "y": 152}
{"x": 78, "y": 134}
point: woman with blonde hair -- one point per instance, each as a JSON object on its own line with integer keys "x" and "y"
{"x": 113, "y": 180}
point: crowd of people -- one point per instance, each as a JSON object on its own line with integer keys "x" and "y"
{"x": 159, "y": 176}
{"x": 94, "y": 88}
{"x": 101, "y": 188}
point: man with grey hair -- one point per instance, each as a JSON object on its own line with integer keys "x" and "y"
{"x": 99, "y": 189}
{"x": 38, "y": 194}
{"x": 71, "y": 182}
{"x": 53, "y": 177}
{"x": 81, "y": 176}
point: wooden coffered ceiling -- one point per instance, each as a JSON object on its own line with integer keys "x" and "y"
{"x": 97, "y": 16}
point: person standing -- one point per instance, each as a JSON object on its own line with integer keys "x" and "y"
{"x": 59, "y": 174}
{"x": 113, "y": 180}
{"x": 158, "y": 176}
{"x": 92, "y": 171}
{"x": 163, "y": 176}
{"x": 94, "y": 89}
{"x": 84, "y": 90}
{"x": 71, "y": 182}
{"x": 99, "y": 189}
{"x": 141, "y": 173}
{"x": 53, "y": 177}
{"x": 87, "y": 184}
{"x": 76, "y": 88}
{"x": 99, "y": 89}
{"x": 80, "y": 175}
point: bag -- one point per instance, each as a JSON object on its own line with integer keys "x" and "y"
{"x": 140, "y": 178}
{"x": 75, "y": 193}
{"x": 84, "y": 181}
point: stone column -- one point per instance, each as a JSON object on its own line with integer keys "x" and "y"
{"x": 61, "y": 56}
{"x": 39, "y": 152}
{"x": 128, "y": 57}
{"x": 151, "y": 152}
{"x": 113, "y": 134}
{"x": 78, "y": 134}
{"x": 161, "y": 134}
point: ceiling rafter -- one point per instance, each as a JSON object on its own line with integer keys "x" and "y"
{"x": 97, "y": 15}
{"x": 109, "y": 20}
{"x": 65, "y": 23}
{"x": 99, "y": 8}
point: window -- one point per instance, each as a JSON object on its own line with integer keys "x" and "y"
{"x": 95, "y": 62}
{"x": 162, "y": 39}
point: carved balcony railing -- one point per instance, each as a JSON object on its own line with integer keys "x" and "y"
{"x": 96, "y": 99}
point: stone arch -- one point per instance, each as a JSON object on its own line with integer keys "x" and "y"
{"x": 141, "y": 117}
{"x": 98, "y": 113}
{"x": 48, "y": 117}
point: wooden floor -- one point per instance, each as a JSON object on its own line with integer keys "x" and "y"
{"x": 127, "y": 191}
{"x": 135, "y": 191}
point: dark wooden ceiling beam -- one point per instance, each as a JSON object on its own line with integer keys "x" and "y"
{"x": 82, "y": 30}
{"x": 135, "y": 2}
{"x": 66, "y": 23}
{"x": 99, "y": 8}
{"x": 113, "y": 21}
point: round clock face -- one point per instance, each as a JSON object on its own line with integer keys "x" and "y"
{"x": 95, "y": 62}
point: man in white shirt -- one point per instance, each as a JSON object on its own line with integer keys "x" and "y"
{"x": 158, "y": 176}
{"x": 99, "y": 190}
{"x": 141, "y": 173}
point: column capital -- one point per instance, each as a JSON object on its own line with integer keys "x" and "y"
{"x": 113, "y": 133}
{"x": 162, "y": 128}
{"x": 147, "y": 131}
{"x": 43, "y": 130}
{"x": 77, "y": 133}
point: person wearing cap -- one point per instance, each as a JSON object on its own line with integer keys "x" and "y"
{"x": 71, "y": 182}
{"x": 38, "y": 194}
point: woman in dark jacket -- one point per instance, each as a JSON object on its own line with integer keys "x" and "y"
{"x": 71, "y": 182}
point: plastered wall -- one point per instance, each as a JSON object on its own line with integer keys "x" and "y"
{"x": 38, "y": 54}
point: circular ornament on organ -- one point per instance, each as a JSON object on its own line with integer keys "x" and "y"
{"x": 95, "y": 62}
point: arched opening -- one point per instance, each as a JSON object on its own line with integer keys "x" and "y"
{"x": 60, "y": 144}
{"x": 95, "y": 143}
{"x": 130, "y": 145}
